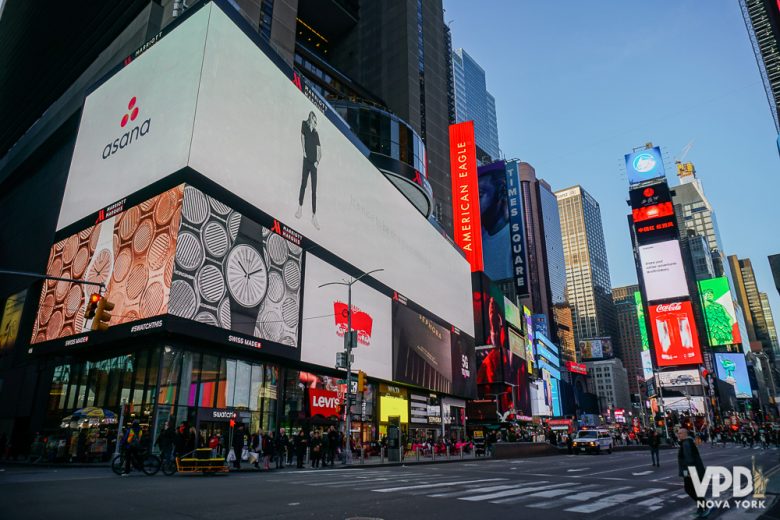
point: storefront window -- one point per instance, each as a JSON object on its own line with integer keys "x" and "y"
{"x": 190, "y": 372}
{"x": 59, "y": 388}
{"x": 140, "y": 378}
{"x": 255, "y": 388}
{"x": 169, "y": 377}
{"x": 221, "y": 387}
{"x": 151, "y": 380}
{"x": 77, "y": 399}
{"x": 126, "y": 380}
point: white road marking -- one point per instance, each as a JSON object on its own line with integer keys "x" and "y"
{"x": 442, "y": 484}
{"x": 578, "y": 469}
{"x": 480, "y": 490}
{"x": 509, "y": 493}
{"x": 613, "y": 500}
{"x": 639, "y": 473}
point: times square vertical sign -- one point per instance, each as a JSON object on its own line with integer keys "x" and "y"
{"x": 516, "y": 227}
{"x": 467, "y": 225}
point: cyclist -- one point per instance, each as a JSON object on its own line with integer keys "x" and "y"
{"x": 132, "y": 445}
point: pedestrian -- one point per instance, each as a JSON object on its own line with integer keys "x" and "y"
{"x": 301, "y": 443}
{"x": 268, "y": 449}
{"x": 333, "y": 444}
{"x": 688, "y": 458}
{"x": 192, "y": 440}
{"x": 655, "y": 445}
{"x": 165, "y": 441}
{"x": 280, "y": 448}
{"x": 256, "y": 448}
{"x": 316, "y": 450}
{"x": 290, "y": 448}
{"x": 132, "y": 445}
{"x": 238, "y": 445}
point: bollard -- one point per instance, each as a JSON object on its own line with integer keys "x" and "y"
{"x": 461, "y": 453}
{"x": 433, "y": 453}
{"x": 306, "y": 458}
{"x": 418, "y": 454}
{"x": 448, "y": 453}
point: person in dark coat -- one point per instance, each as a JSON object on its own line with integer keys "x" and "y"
{"x": 301, "y": 442}
{"x": 333, "y": 444}
{"x": 316, "y": 449}
{"x": 165, "y": 441}
{"x": 238, "y": 444}
{"x": 688, "y": 457}
{"x": 654, "y": 441}
{"x": 269, "y": 445}
{"x": 280, "y": 448}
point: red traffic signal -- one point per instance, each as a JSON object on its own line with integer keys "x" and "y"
{"x": 102, "y": 316}
{"x": 92, "y": 304}
{"x": 232, "y": 423}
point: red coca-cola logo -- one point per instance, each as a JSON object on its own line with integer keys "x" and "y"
{"x": 669, "y": 307}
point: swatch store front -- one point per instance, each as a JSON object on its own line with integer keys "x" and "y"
{"x": 221, "y": 256}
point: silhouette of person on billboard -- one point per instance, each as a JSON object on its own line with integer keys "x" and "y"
{"x": 312, "y": 153}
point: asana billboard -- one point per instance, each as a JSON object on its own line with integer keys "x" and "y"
{"x": 644, "y": 165}
{"x": 674, "y": 334}
{"x": 663, "y": 272}
{"x": 465, "y": 193}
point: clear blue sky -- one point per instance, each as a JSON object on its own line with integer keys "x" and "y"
{"x": 579, "y": 84}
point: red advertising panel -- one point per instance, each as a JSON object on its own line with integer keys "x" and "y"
{"x": 674, "y": 333}
{"x": 664, "y": 209}
{"x": 465, "y": 193}
{"x": 576, "y": 368}
{"x": 323, "y": 402}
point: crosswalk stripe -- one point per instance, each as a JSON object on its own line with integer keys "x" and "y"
{"x": 551, "y": 504}
{"x": 442, "y": 484}
{"x": 613, "y": 500}
{"x": 480, "y": 490}
{"x": 509, "y": 493}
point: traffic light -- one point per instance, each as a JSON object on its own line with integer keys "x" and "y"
{"x": 102, "y": 316}
{"x": 92, "y": 303}
{"x": 361, "y": 381}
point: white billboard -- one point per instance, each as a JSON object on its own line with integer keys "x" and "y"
{"x": 325, "y": 321}
{"x": 257, "y": 135}
{"x": 693, "y": 404}
{"x": 663, "y": 272}
{"x": 679, "y": 378}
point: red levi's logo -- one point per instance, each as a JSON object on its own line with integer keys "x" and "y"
{"x": 362, "y": 322}
{"x": 323, "y": 402}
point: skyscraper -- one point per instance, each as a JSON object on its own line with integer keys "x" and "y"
{"x": 630, "y": 335}
{"x": 750, "y": 300}
{"x": 770, "y": 324}
{"x": 474, "y": 102}
{"x": 762, "y": 19}
{"x": 588, "y": 287}
{"x": 774, "y": 265}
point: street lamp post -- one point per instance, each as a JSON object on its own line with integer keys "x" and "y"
{"x": 349, "y": 346}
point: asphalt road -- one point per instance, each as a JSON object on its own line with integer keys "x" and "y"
{"x": 621, "y": 485}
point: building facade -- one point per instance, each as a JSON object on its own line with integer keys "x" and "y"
{"x": 609, "y": 381}
{"x": 762, "y": 20}
{"x": 473, "y": 102}
{"x": 588, "y": 287}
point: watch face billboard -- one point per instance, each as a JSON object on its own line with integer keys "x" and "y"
{"x": 732, "y": 369}
{"x": 720, "y": 315}
{"x": 256, "y": 134}
{"x": 644, "y": 165}
{"x": 674, "y": 334}
{"x": 325, "y": 318}
{"x": 662, "y": 270}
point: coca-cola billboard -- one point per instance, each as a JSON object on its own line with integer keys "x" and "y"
{"x": 674, "y": 334}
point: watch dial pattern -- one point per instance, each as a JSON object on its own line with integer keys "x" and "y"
{"x": 239, "y": 275}
{"x": 130, "y": 253}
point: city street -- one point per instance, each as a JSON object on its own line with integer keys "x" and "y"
{"x": 621, "y": 485}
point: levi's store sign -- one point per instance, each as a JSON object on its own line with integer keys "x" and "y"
{"x": 323, "y": 402}
{"x": 465, "y": 193}
{"x": 674, "y": 334}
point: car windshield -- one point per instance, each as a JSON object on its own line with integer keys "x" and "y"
{"x": 587, "y": 435}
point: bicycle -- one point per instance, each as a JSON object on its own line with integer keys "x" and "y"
{"x": 148, "y": 463}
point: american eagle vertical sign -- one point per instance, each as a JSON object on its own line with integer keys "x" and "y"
{"x": 465, "y": 193}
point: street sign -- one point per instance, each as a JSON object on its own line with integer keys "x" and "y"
{"x": 351, "y": 397}
{"x": 350, "y": 340}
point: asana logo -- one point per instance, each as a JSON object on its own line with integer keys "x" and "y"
{"x": 132, "y": 134}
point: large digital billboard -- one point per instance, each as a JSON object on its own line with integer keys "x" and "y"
{"x": 640, "y": 317}
{"x": 257, "y": 135}
{"x": 494, "y": 218}
{"x": 719, "y": 313}
{"x": 325, "y": 318}
{"x": 465, "y": 193}
{"x": 663, "y": 271}
{"x": 651, "y": 202}
{"x": 732, "y": 369}
{"x": 688, "y": 377}
{"x": 644, "y": 165}
{"x": 183, "y": 253}
{"x": 517, "y": 227}
{"x": 596, "y": 348}
{"x": 674, "y": 334}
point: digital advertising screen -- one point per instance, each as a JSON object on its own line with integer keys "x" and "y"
{"x": 529, "y": 338}
{"x": 258, "y": 135}
{"x": 512, "y": 314}
{"x": 640, "y": 317}
{"x": 517, "y": 228}
{"x": 674, "y": 334}
{"x": 644, "y": 165}
{"x": 517, "y": 344}
{"x": 325, "y": 321}
{"x": 732, "y": 369}
{"x": 422, "y": 350}
{"x": 688, "y": 377}
{"x": 647, "y": 364}
{"x": 662, "y": 270}
{"x": 693, "y": 404}
{"x": 656, "y": 230}
{"x": 719, "y": 312}
{"x": 494, "y": 217}
{"x": 10, "y": 318}
{"x": 651, "y": 202}
{"x": 464, "y": 365}
{"x": 465, "y": 193}
{"x": 596, "y": 348}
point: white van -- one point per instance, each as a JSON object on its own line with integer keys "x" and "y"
{"x": 592, "y": 441}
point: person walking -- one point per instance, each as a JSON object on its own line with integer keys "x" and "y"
{"x": 238, "y": 444}
{"x": 132, "y": 445}
{"x": 316, "y": 449}
{"x": 280, "y": 448}
{"x": 688, "y": 458}
{"x": 301, "y": 443}
{"x": 165, "y": 441}
{"x": 655, "y": 446}
{"x": 268, "y": 450}
{"x": 333, "y": 444}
